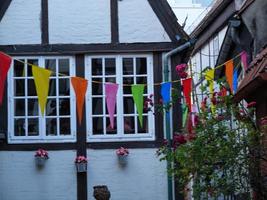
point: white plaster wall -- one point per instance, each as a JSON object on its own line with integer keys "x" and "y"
{"x": 21, "y": 23}
{"x": 20, "y": 179}
{"x": 79, "y": 21}
{"x": 138, "y": 23}
{"x": 144, "y": 176}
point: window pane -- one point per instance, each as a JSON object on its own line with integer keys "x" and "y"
{"x": 98, "y": 126}
{"x": 110, "y": 80}
{"x": 110, "y": 66}
{"x": 64, "y": 106}
{"x": 19, "y": 68}
{"x": 143, "y": 129}
{"x": 97, "y": 106}
{"x": 141, "y": 66}
{"x": 64, "y": 87}
{"x": 97, "y": 87}
{"x": 64, "y": 66}
{"x": 34, "y": 62}
{"x": 111, "y": 131}
{"x": 97, "y": 66}
{"x": 33, "y": 127}
{"x": 51, "y": 65}
{"x": 51, "y": 126}
{"x": 19, "y": 87}
{"x": 31, "y": 88}
{"x": 127, "y": 88}
{"x": 19, "y": 107}
{"x": 65, "y": 126}
{"x": 127, "y": 66}
{"x": 52, "y": 87}
{"x": 51, "y": 107}
{"x": 33, "y": 107}
{"x": 19, "y": 127}
{"x": 129, "y": 125}
{"x": 128, "y": 105}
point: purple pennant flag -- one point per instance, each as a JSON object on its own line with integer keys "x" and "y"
{"x": 244, "y": 60}
{"x": 111, "y": 93}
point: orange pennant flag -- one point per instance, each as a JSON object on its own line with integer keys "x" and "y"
{"x": 229, "y": 71}
{"x": 80, "y": 86}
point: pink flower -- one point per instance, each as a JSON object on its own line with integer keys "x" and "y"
{"x": 122, "y": 151}
{"x": 179, "y": 138}
{"x": 41, "y": 153}
{"x": 252, "y": 104}
{"x": 183, "y": 75}
{"x": 81, "y": 159}
{"x": 181, "y": 68}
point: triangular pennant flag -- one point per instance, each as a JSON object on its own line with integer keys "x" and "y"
{"x": 209, "y": 76}
{"x": 244, "y": 60}
{"x": 5, "y": 62}
{"x": 235, "y": 81}
{"x": 185, "y": 114}
{"x": 187, "y": 88}
{"x": 80, "y": 86}
{"x": 166, "y": 92}
{"x": 111, "y": 93}
{"x": 229, "y": 70}
{"x": 138, "y": 91}
{"x": 194, "y": 113}
{"x": 41, "y": 80}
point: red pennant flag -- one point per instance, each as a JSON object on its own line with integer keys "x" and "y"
{"x": 5, "y": 62}
{"x": 80, "y": 86}
{"x": 229, "y": 71}
{"x": 187, "y": 88}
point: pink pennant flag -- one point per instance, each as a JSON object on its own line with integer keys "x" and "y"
{"x": 244, "y": 60}
{"x": 111, "y": 93}
{"x": 5, "y": 62}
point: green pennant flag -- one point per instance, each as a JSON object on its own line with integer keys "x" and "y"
{"x": 138, "y": 91}
{"x": 185, "y": 113}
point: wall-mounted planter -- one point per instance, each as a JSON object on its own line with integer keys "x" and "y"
{"x": 81, "y": 167}
{"x": 40, "y": 161}
{"x": 123, "y": 159}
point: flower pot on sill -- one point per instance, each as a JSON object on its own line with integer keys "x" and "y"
{"x": 81, "y": 167}
{"x": 123, "y": 159}
{"x": 40, "y": 161}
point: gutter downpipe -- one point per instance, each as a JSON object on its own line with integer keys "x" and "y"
{"x": 166, "y": 71}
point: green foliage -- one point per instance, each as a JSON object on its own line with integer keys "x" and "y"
{"x": 218, "y": 160}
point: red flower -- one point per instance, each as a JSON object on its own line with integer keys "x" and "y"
{"x": 251, "y": 104}
{"x": 214, "y": 100}
{"x": 183, "y": 75}
{"x": 181, "y": 139}
{"x": 181, "y": 68}
{"x": 196, "y": 120}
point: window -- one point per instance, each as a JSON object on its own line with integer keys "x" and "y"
{"x": 26, "y": 123}
{"x": 123, "y": 70}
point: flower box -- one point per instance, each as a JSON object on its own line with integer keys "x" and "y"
{"x": 122, "y": 154}
{"x": 41, "y": 156}
{"x": 81, "y": 164}
{"x": 81, "y": 167}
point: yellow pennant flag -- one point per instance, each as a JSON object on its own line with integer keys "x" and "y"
{"x": 209, "y": 76}
{"x": 41, "y": 80}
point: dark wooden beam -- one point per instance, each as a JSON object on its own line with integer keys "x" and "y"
{"x": 86, "y": 48}
{"x": 81, "y": 136}
{"x": 114, "y": 21}
{"x": 44, "y": 22}
{"x": 4, "y": 4}
{"x": 157, "y": 70}
{"x": 33, "y": 147}
{"x": 168, "y": 19}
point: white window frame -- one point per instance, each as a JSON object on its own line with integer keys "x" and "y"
{"x": 120, "y": 136}
{"x": 41, "y": 138}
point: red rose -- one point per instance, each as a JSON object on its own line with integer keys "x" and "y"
{"x": 180, "y": 139}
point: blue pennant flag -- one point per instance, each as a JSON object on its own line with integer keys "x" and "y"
{"x": 235, "y": 80}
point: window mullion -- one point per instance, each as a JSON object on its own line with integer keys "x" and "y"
{"x": 119, "y": 80}
{"x": 42, "y": 120}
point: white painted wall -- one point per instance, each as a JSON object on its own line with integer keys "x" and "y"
{"x": 21, "y": 180}
{"x": 144, "y": 177}
{"x": 21, "y": 23}
{"x": 79, "y": 21}
{"x": 138, "y": 23}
